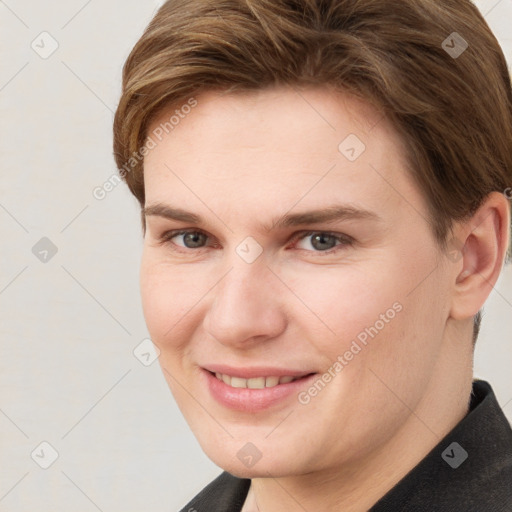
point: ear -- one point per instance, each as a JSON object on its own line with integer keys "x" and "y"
{"x": 483, "y": 242}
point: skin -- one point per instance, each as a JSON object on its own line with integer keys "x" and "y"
{"x": 240, "y": 161}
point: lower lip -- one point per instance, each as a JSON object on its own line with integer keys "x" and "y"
{"x": 253, "y": 400}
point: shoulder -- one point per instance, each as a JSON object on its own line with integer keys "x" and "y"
{"x": 469, "y": 470}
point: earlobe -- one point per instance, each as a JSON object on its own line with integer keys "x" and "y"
{"x": 484, "y": 240}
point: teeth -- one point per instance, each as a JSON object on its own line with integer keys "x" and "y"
{"x": 236, "y": 382}
{"x": 270, "y": 382}
{"x": 254, "y": 383}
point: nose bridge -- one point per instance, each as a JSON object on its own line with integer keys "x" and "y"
{"x": 242, "y": 284}
{"x": 244, "y": 303}
{"x": 248, "y": 277}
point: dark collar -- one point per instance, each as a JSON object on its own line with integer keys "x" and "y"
{"x": 444, "y": 481}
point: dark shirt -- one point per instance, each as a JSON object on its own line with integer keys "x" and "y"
{"x": 470, "y": 470}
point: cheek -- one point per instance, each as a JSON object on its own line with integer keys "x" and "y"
{"x": 397, "y": 321}
{"x": 385, "y": 304}
{"x": 340, "y": 303}
{"x": 169, "y": 294}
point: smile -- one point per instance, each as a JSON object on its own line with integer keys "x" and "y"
{"x": 256, "y": 382}
{"x": 254, "y": 391}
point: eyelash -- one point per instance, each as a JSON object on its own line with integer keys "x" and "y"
{"x": 345, "y": 240}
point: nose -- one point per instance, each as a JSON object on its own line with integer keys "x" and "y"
{"x": 246, "y": 307}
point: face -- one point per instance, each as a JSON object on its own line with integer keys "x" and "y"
{"x": 285, "y": 239}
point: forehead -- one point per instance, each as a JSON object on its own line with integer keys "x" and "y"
{"x": 277, "y": 147}
{"x": 248, "y": 119}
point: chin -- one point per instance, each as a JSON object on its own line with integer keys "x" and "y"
{"x": 245, "y": 461}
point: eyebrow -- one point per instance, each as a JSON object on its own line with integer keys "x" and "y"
{"x": 328, "y": 214}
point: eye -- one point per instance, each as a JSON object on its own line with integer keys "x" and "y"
{"x": 323, "y": 242}
{"x": 320, "y": 242}
{"x": 190, "y": 239}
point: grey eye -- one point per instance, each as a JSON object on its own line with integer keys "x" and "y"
{"x": 193, "y": 239}
{"x": 319, "y": 241}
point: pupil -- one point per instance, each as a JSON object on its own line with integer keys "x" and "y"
{"x": 192, "y": 239}
{"x": 321, "y": 239}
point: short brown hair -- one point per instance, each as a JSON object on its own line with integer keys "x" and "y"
{"x": 453, "y": 110}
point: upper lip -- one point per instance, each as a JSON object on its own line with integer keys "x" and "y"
{"x": 254, "y": 371}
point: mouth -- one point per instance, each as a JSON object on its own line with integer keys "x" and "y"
{"x": 255, "y": 382}
{"x": 253, "y": 393}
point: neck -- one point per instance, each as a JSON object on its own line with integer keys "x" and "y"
{"x": 358, "y": 487}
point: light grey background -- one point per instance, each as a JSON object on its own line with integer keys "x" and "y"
{"x": 69, "y": 326}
